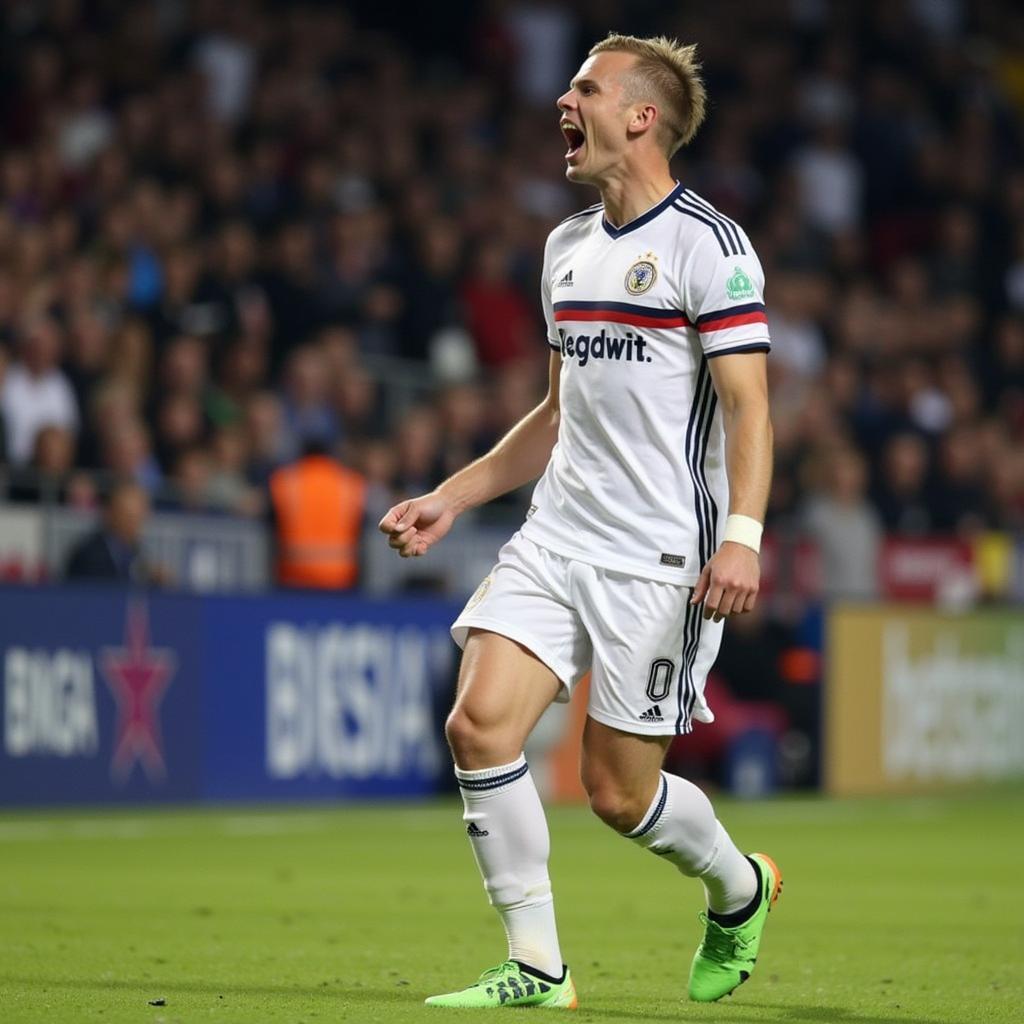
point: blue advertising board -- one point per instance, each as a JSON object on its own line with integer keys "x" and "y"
{"x": 111, "y": 696}
{"x": 325, "y": 696}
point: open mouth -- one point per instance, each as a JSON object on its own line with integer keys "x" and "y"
{"x": 574, "y": 137}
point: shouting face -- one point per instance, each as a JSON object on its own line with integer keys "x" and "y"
{"x": 597, "y": 120}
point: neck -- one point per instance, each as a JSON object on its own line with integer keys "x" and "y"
{"x": 629, "y": 194}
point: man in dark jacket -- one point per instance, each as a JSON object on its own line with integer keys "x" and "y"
{"x": 112, "y": 552}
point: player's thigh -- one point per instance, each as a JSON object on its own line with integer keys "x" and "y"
{"x": 526, "y": 598}
{"x": 503, "y": 686}
{"x": 621, "y": 772}
{"x": 525, "y": 647}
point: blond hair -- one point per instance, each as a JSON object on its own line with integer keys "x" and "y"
{"x": 668, "y": 73}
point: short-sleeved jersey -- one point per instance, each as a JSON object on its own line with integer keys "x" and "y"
{"x": 637, "y": 479}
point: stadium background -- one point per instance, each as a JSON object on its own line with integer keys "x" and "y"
{"x": 230, "y": 231}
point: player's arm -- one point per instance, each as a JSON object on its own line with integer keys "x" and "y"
{"x": 729, "y": 582}
{"x": 415, "y": 525}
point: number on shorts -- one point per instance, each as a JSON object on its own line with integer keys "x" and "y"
{"x": 659, "y": 681}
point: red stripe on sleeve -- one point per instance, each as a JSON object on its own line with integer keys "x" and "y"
{"x": 733, "y": 321}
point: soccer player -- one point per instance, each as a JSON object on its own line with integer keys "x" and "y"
{"x": 655, "y": 425}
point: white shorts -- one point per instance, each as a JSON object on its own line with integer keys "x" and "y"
{"x": 647, "y": 648}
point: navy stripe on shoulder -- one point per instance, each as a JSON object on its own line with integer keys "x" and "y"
{"x": 704, "y": 220}
{"x": 759, "y": 346}
{"x": 731, "y": 227}
{"x": 712, "y": 218}
{"x": 583, "y": 213}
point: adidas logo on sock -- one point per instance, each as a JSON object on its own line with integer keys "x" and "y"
{"x": 566, "y": 281}
{"x": 475, "y": 832}
{"x": 652, "y": 715}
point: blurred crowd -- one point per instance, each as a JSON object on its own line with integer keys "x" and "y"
{"x": 229, "y": 232}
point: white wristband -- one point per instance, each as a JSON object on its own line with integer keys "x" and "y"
{"x": 743, "y": 530}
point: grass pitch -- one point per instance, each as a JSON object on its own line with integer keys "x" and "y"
{"x": 905, "y": 911}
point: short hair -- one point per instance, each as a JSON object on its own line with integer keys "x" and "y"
{"x": 120, "y": 486}
{"x": 667, "y": 72}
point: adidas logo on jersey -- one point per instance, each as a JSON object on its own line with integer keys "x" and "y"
{"x": 652, "y": 714}
{"x": 566, "y": 281}
{"x": 474, "y": 831}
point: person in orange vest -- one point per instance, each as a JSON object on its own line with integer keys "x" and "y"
{"x": 317, "y": 506}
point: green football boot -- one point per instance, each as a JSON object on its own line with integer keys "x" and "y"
{"x": 512, "y": 984}
{"x": 726, "y": 956}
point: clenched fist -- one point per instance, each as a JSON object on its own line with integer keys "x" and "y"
{"x": 413, "y": 527}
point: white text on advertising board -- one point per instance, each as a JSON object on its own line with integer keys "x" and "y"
{"x": 951, "y": 714}
{"x": 352, "y": 701}
{"x": 49, "y": 703}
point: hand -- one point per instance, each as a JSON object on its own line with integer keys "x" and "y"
{"x": 416, "y": 525}
{"x": 729, "y": 583}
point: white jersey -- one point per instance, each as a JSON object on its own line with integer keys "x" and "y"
{"x": 637, "y": 480}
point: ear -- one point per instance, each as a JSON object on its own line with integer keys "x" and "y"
{"x": 643, "y": 119}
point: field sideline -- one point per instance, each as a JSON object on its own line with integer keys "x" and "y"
{"x": 894, "y": 911}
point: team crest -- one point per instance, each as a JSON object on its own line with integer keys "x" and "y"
{"x": 642, "y": 275}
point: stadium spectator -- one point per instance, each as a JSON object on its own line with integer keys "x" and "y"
{"x": 292, "y": 288}
{"x": 184, "y": 367}
{"x": 960, "y": 503}
{"x": 113, "y": 551}
{"x": 190, "y": 483}
{"x": 35, "y": 391}
{"x": 829, "y": 180}
{"x": 266, "y": 440}
{"x": 127, "y": 453}
{"x": 465, "y": 437}
{"x": 902, "y": 497}
{"x": 1002, "y": 369}
{"x": 419, "y": 450}
{"x": 430, "y": 287}
{"x": 844, "y": 525}
{"x": 54, "y": 454}
{"x": 3, "y": 428}
{"x": 88, "y": 353}
{"x": 131, "y": 356}
{"x": 356, "y": 401}
{"x": 318, "y": 509}
{"x": 497, "y": 313}
{"x": 308, "y": 415}
{"x": 378, "y": 462}
{"x": 228, "y": 488}
{"x": 45, "y": 478}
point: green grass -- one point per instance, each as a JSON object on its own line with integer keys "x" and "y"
{"x": 894, "y": 910}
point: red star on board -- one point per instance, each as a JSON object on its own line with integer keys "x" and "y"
{"x": 138, "y": 675}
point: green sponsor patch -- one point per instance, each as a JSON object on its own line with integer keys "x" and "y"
{"x": 739, "y": 286}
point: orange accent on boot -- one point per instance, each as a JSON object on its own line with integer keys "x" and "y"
{"x": 778, "y": 879}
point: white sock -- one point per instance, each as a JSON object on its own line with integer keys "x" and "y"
{"x": 680, "y": 825}
{"x": 509, "y": 834}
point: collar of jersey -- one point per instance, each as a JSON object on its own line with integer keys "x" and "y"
{"x": 644, "y": 218}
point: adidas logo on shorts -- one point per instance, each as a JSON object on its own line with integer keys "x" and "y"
{"x": 652, "y": 714}
{"x": 475, "y": 831}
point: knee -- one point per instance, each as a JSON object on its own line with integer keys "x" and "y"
{"x": 615, "y": 806}
{"x": 476, "y": 744}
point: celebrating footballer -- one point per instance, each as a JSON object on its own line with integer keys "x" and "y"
{"x": 653, "y": 447}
